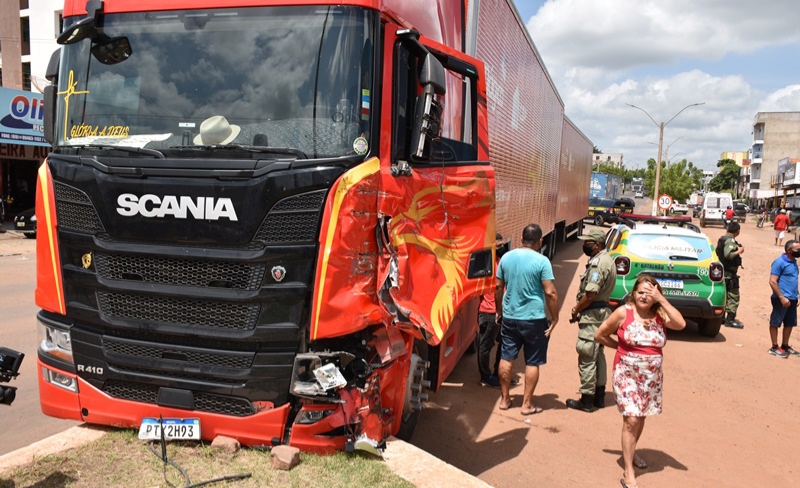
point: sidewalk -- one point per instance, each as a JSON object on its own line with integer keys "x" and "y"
{"x": 407, "y": 461}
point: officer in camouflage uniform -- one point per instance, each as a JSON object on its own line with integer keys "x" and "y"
{"x": 729, "y": 253}
{"x": 597, "y": 283}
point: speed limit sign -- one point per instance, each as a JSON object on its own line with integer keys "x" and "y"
{"x": 664, "y": 202}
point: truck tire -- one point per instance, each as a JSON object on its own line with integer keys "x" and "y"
{"x": 598, "y": 220}
{"x": 702, "y": 222}
{"x": 709, "y": 327}
{"x": 410, "y": 415}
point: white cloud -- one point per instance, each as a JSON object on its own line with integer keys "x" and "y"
{"x": 600, "y": 51}
{"x": 620, "y": 34}
{"x": 784, "y": 100}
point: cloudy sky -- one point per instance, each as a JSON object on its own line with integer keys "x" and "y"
{"x": 738, "y": 57}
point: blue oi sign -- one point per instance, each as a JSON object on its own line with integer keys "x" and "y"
{"x": 21, "y": 116}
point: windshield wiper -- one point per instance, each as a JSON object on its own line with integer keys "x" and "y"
{"x": 128, "y": 149}
{"x": 256, "y": 149}
{"x": 676, "y": 257}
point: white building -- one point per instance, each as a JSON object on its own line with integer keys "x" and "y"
{"x": 608, "y": 158}
{"x": 29, "y": 30}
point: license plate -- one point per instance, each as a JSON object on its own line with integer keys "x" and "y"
{"x": 174, "y": 429}
{"x": 673, "y": 284}
{"x": 20, "y": 224}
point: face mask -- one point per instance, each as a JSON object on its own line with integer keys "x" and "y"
{"x": 795, "y": 253}
{"x": 588, "y": 249}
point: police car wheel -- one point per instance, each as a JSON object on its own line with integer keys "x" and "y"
{"x": 598, "y": 220}
{"x": 709, "y": 327}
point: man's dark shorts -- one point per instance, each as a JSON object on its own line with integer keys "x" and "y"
{"x": 780, "y": 314}
{"x": 514, "y": 334}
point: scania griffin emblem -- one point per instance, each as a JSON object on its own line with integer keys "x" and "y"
{"x": 86, "y": 260}
{"x": 278, "y": 272}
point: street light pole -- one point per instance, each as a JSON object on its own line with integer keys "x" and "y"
{"x": 658, "y": 169}
{"x": 660, "y": 145}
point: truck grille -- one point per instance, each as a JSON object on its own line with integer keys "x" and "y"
{"x": 293, "y": 219}
{"x": 75, "y": 211}
{"x": 187, "y": 272}
{"x": 206, "y": 402}
{"x": 179, "y": 311}
{"x": 225, "y": 360}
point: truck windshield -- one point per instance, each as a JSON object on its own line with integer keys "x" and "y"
{"x": 297, "y": 79}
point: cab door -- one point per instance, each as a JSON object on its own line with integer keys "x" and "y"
{"x": 436, "y": 213}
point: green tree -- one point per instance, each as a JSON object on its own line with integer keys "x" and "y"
{"x": 678, "y": 180}
{"x": 607, "y": 168}
{"x": 595, "y": 150}
{"x": 727, "y": 176}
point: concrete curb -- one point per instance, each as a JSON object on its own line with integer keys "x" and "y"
{"x": 407, "y": 461}
{"x": 424, "y": 470}
{"x": 69, "y": 439}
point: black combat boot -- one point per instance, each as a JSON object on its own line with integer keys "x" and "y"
{"x": 730, "y": 321}
{"x": 599, "y": 397}
{"x": 585, "y": 403}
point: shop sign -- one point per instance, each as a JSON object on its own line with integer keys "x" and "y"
{"x": 17, "y": 151}
{"x": 21, "y": 118}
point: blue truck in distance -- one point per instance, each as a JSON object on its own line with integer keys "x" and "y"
{"x": 605, "y": 186}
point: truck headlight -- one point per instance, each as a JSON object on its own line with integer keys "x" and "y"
{"x": 54, "y": 341}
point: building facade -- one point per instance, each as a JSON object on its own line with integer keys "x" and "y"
{"x": 776, "y": 137}
{"x": 614, "y": 159}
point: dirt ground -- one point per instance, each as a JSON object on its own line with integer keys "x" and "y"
{"x": 730, "y": 409}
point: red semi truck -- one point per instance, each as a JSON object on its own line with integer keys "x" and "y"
{"x": 272, "y": 220}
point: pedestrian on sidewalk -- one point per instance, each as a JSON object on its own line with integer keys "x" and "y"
{"x": 783, "y": 281}
{"x": 591, "y": 309}
{"x": 525, "y": 288}
{"x": 730, "y": 253}
{"x": 780, "y": 225}
{"x": 640, "y": 327}
{"x": 489, "y": 330}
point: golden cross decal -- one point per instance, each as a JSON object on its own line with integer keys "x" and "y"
{"x": 68, "y": 93}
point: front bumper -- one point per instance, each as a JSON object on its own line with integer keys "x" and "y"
{"x": 700, "y": 308}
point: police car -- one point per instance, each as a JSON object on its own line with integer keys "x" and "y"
{"x": 683, "y": 261}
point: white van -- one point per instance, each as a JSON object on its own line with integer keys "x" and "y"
{"x": 714, "y": 206}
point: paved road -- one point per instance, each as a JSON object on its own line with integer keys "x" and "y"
{"x": 23, "y": 422}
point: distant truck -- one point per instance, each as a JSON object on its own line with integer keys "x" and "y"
{"x": 605, "y": 186}
{"x": 637, "y": 184}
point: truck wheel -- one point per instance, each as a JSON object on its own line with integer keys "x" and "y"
{"x": 598, "y": 220}
{"x": 709, "y": 327}
{"x": 414, "y": 396}
{"x": 702, "y": 222}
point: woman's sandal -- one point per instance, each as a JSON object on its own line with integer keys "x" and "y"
{"x": 625, "y": 485}
{"x": 531, "y": 411}
{"x": 505, "y": 406}
{"x": 639, "y": 462}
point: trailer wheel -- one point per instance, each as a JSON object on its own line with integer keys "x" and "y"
{"x": 598, "y": 220}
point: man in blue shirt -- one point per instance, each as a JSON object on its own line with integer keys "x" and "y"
{"x": 525, "y": 285}
{"x": 783, "y": 281}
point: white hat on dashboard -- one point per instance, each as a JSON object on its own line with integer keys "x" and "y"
{"x": 216, "y": 130}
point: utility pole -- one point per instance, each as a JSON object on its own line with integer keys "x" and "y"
{"x": 660, "y": 144}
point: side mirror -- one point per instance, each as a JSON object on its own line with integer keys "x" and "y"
{"x": 83, "y": 28}
{"x": 428, "y": 112}
{"x": 49, "y": 92}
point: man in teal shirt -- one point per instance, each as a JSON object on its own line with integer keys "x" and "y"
{"x": 525, "y": 286}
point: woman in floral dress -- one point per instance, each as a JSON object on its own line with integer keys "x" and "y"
{"x": 640, "y": 327}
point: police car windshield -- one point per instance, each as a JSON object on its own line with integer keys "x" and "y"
{"x": 665, "y": 247}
